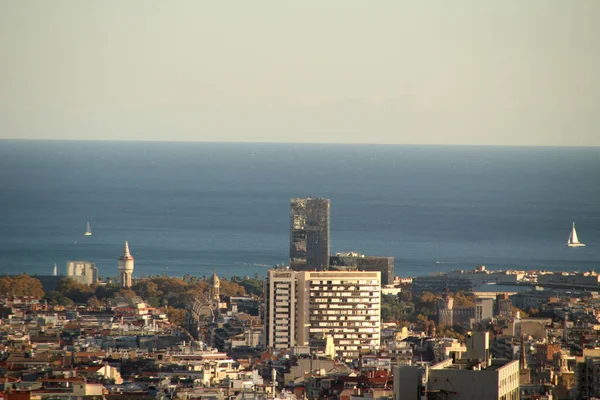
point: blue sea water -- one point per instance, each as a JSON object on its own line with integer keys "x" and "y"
{"x": 191, "y": 207}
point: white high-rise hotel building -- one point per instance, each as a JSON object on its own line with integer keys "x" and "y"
{"x": 306, "y": 305}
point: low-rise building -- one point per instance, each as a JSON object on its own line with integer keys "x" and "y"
{"x": 576, "y": 280}
{"x": 465, "y": 380}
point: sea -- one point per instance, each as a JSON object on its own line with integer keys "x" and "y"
{"x": 189, "y": 208}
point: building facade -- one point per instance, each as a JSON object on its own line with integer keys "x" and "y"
{"x": 576, "y": 280}
{"x": 498, "y": 381}
{"x": 503, "y": 305}
{"x": 82, "y": 271}
{"x": 357, "y": 261}
{"x": 385, "y": 265}
{"x": 305, "y": 307}
{"x": 440, "y": 283}
{"x": 484, "y": 309}
{"x": 280, "y": 309}
{"x": 309, "y": 234}
{"x": 589, "y": 378}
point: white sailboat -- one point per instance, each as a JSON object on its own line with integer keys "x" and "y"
{"x": 573, "y": 239}
{"x": 89, "y": 230}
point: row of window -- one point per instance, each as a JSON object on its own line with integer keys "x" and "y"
{"x": 344, "y": 324}
{"x": 344, "y": 282}
{"x": 347, "y": 330}
{"x": 345, "y": 288}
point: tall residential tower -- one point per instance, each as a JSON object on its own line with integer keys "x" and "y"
{"x": 303, "y": 308}
{"x": 309, "y": 234}
{"x": 126, "y": 267}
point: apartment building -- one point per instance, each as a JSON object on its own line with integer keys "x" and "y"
{"x": 280, "y": 308}
{"x": 304, "y": 307}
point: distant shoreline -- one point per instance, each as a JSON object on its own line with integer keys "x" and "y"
{"x": 349, "y": 144}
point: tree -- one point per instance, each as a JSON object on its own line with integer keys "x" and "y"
{"x": 391, "y": 309}
{"x": 522, "y": 313}
{"x": 168, "y": 285}
{"x": 462, "y": 300}
{"x": 405, "y": 295}
{"x": 65, "y": 301}
{"x": 251, "y": 285}
{"x": 127, "y": 293}
{"x": 146, "y": 289}
{"x": 21, "y": 285}
{"x": 106, "y": 291}
{"x": 455, "y": 331}
{"x": 93, "y": 302}
{"x": 176, "y": 316}
{"x": 426, "y": 304}
{"x": 78, "y": 292}
{"x": 229, "y": 289}
{"x": 422, "y": 322}
{"x": 198, "y": 288}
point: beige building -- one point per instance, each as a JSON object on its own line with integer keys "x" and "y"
{"x": 83, "y": 272}
{"x": 590, "y": 279}
{"x": 304, "y": 307}
{"x": 280, "y": 312}
{"x": 474, "y": 376}
{"x": 464, "y": 381}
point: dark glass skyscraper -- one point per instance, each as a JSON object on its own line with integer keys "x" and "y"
{"x": 309, "y": 234}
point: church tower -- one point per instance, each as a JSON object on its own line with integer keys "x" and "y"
{"x": 214, "y": 283}
{"x": 126, "y": 267}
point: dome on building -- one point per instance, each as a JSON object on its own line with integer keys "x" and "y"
{"x": 214, "y": 279}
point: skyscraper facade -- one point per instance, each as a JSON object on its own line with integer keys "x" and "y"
{"x": 309, "y": 234}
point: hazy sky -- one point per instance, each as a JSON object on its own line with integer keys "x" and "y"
{"x": 460, "y": 72}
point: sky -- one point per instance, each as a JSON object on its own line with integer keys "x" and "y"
{"x": 481, "y": 72}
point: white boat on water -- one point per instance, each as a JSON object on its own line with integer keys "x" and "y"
{"x": 89, "y": 230}
{"x": 573, "y": 239}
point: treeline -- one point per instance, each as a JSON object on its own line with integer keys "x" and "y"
{"x": 22, "y": 285}
{"x": 421, "y": 311}
{"x": 406, "y": 308}
{"x": 159, "y": 291}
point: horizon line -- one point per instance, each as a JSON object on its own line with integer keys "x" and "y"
{"x": 302, "y": 143}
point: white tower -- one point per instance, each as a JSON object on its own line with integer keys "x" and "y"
{"x": 215, "y": 283}
{"x": 126, "y": 267}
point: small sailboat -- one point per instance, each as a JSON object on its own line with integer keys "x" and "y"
{"x": 573, "y": 239}
{"x": 89, "y": 230}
